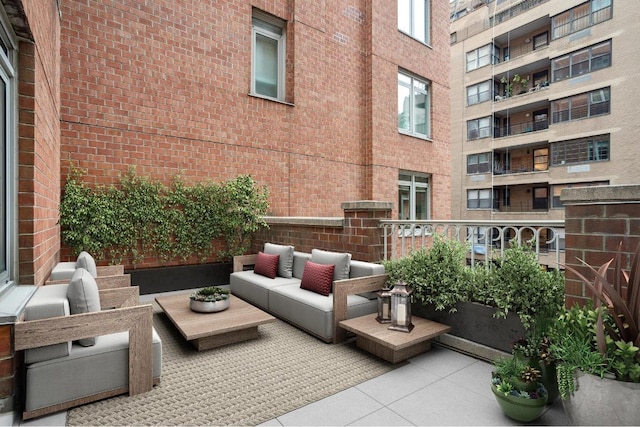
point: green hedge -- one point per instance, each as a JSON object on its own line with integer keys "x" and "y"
{"x": 139, "y": 217}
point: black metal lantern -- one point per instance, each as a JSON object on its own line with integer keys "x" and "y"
{"x": 401, "y": 308}
{"x": 384, "y": 305}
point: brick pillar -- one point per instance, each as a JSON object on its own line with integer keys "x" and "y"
{"x": 362, "y": 228}
{"x": 8, "y": 369}
{"x": 597, "y": 219}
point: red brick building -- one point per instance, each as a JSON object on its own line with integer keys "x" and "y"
{"x": 322, "y": 102}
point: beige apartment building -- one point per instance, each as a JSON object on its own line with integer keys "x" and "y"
{"x": 543, "y": 97}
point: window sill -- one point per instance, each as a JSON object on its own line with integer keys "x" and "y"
{"x": 267, "y": 98}
{"x": 415, "y": 135}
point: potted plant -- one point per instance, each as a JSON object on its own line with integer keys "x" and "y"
{"x": 517, "y": 389}
{"x": 209, "y": 299}
{"x": 597, "y": 347}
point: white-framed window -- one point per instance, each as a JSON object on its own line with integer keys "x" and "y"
{"x": 479, "y": 128}
{"x": 414, "y": 19}
{"x": 479, "y": 199}
{"x": 413, "y": 196}
{"x": 485, "y": 55}
{"x": 8, "y": 162}
{"x": 478, "y": 93}
{"x": 414, "y": 106}
{"x": 268, "y": 56}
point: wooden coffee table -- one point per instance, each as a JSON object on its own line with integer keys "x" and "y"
{"x": 393, "y": 346}
{"x": 209, "y": 330}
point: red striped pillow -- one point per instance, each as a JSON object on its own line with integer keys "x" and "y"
{"x": 266, "y": 265}
{"x": 318, "y": 278}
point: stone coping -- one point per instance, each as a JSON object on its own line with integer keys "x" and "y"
{"x": 305, "y": 220}
{"x": 601, "y": 194}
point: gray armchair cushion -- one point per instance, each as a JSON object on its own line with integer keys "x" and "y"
{"x": 84, "y": 297}
{"x": 86, "y": 261}
{"x": 285, "y": 265}
{"x": 48, "y": 301}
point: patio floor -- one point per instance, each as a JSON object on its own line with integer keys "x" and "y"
{"x": 440, "y": 387}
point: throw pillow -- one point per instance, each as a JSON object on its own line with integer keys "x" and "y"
{"x": 317, "y": 278}
{"x": 267, "y": 265}
{"x": 285, "y": 264}
{"x": 83, "y": 297}
{"x": 86, "y": 261}
{"x": 342, "y": 261}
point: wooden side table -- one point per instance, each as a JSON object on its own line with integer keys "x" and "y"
{"x": 393, "y": 346}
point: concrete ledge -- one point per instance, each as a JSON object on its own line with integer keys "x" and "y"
{"x": 304, "y": 220}
{"x": 367, "y": 205}
{"x": 470, "y": 348}
{"x": 601, "y": 194}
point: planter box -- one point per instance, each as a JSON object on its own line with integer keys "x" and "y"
{"x": 165, "y": 279}
{"x": 475, "y": 322}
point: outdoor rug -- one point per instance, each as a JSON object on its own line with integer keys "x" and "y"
{"x": 246, "y": 383}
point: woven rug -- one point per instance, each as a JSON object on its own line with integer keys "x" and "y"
{"x": 246, "y": 383}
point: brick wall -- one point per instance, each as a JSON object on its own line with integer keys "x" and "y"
{"x": 597, "y": 220}
{"x": 164, "y": 87}
{"x": 358, "y": 232}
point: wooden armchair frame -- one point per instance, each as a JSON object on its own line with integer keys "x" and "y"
{"x": 106, "y": 273}
{"x": 128, "y": 316}
{"x": 104, "y": 282}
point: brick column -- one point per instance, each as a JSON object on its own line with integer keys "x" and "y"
{"x": 597, "y": 219}
{"x": 362, "y": 228}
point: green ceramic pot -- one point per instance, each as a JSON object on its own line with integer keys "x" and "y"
{"x": 520, "y": 408}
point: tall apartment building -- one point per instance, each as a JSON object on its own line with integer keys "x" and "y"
{"x": 543, "y": 98}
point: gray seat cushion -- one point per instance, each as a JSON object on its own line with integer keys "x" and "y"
{"x": 85, "y": 371}
{"x": 48, "y": 301}
{"x": 254, "y": 288}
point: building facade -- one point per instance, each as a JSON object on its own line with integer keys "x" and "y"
{"x": 542, "y": 100}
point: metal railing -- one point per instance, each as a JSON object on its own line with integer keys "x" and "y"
{"x": 485, "y": 239}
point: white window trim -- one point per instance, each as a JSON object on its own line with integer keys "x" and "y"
{"x": 427, "y": 93}
{"x": 282, "y": 42}
{"x": 427, "y": 22}
{"x": 413, "y": 185}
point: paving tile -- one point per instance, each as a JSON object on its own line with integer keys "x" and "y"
{"x": 446, "y": 403}
{"x": 271, "y": 423}
{"x": 57, "y": 419}
{"x": 397, "y": 384}
{"x": 382, "y": 417}
{"x": 442, "y": 361}
{"x": 481, "y": 373}
{"x": 341, "y": 409}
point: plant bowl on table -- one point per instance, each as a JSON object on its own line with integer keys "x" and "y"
{"x": 209, "y": 300}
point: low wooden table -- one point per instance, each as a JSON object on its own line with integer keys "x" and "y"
{"x": 209, "y": 330}
{"x": 393, "y": 346}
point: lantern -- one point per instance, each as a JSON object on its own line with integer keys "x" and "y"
{"x": 384, "y": 305}
{"x": 401, "y": 308}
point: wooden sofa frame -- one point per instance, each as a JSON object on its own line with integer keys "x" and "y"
{"x": 127, "y": 316}
{"x": 109, "y": 277}
{"x": 341, "y": 290}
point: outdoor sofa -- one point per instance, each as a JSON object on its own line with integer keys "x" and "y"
{"x": 288, "y": 290}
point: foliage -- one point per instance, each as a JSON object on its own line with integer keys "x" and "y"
{"x": 140, "y": 217}
{"x": 436, "y": 275}
{"x": 210, "y": 294}
{"x": 601, "y": 337}
{"x": 439, "y": 275}
{"x": 512, "y": 375}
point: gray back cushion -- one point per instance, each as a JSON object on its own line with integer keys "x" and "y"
{"x": 48, "y": 301}
{"x": 285, "y": 264}
{"x": 342, "y": 261}
{"x": 83, "y": 297}
{"x": 86, "y": 261}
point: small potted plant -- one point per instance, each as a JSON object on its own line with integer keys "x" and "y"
{"x": 210, "y": 299}
{"x": 517, "y": 388}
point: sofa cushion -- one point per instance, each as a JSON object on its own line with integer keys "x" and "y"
{"x": 254, "y": 288}
{"x": 342, "y": 261}
{"x": 86, "y": 261}
{"x": 84, "y": 297}
{"x": 48, "y": 301}
{"x": 63, "y": 271}
{"x": 267, "y": 265}
{"x": 285, "y": 264}
{"x": 318, "y": 278}
{"x": 299, "y": 261}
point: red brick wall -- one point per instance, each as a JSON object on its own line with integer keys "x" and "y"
{"x": 597, "y": 220}
{"x": 39, "y": 143}
{"x": 164, "y": 87}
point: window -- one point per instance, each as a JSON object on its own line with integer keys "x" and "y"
{"x": 268, "y": 56}
{"x": 580, "y": 17}
{"x": 8, "y": 190}
{"x": 413, "y": 19}
{"x": 540, "y": 40}
{"x": 583, "y": 61}
{"x": 541, "y": 159}
{"x": 580, "y": 106}
{"x": 478, "y": 163}
{"x": 479, "y": 199}
{"x": 591, "y": 149}
{"x": 480, "y": 92}
{"x": 479, "y": 128}
{"x": 485, "y": 55}
{"x": 413, "y": 106}
{"x": 413, "y": 196}
{"x": 540, "y": 198}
